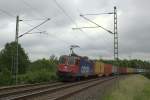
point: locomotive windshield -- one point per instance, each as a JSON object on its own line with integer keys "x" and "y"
{"x": 71, "y": 60}
{"x": 62, "y": 60}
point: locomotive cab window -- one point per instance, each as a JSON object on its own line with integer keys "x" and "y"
{"x": 71, "y": 60}
{"x": 77, "y": 61}
{"x": 62, "y": 60}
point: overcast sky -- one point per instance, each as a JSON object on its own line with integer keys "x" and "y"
{"x": 133, "y": 27}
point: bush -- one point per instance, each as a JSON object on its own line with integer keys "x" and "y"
{"x": 40, "y": 71}
{"x": 5, "y": 77}
{"x": 147, "y": 75}
{"x": 43, "y": 75}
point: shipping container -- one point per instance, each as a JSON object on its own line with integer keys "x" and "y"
{"x": 122, "y": 70}
{"x": 107, "y": 69}
{"x": 130, "y": 70}
{"x": 134, "y": 70}
{"x": 99, "y": 68}
{"x": 114, "y": 69}
{"x": 86, "y": 67}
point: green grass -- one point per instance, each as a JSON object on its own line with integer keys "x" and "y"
{"x": 135, "y": 87}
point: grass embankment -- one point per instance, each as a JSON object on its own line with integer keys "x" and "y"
{"x": 135, "y": 87}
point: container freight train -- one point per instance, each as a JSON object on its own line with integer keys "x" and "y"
{"x": 77, "y": 67}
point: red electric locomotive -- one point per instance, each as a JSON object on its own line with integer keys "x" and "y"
{"x": 68, "y": 67}
{"x": 74, "y": 67}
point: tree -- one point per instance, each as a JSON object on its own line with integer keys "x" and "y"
{"x": 53, "y": 59}
{"x": 42, "y": 64}
{"x": 8, "y": 58}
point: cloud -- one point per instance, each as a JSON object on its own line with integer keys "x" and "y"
{"x": 133, "y": 27}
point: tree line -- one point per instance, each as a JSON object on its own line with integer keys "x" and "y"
{"x": 133, "y": 63}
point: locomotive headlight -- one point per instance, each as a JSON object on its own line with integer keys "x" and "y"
{"x": 65, "y": 67}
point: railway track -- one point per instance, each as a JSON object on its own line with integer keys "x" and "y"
{"x": 55, "y": 91}
{"x": 12, "y": 90}
{"x": 20, "y": 86}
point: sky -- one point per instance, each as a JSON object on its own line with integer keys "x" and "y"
{"x": 133, "y": 27}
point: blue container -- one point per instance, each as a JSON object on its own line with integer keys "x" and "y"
{"x": 86, "y": 67}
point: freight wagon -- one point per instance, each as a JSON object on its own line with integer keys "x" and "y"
{"x": 130, "y": 70}
{"x": 114, "y": 70}
{"x": 85, "y": 68}
{"x": 99, "y": 68}
{"x": 107, "y": 69}
{"x": 122, "y": 70}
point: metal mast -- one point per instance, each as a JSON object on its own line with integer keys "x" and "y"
{"x": 115, "y": 35}
{"x": 16, "y": 40}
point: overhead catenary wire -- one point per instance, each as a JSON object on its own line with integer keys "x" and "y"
{"x": 27, "y": 4}
{"x": 34, "y": 28}
{"x": 70, "y": 18}
{"x": 96, "y": 24}
{"x": 31, "y": 7}
{"x": 67, "y": 42}
{"x": 31, "y": 26}
{"x": 36, "y": 19}
{"x": 100, "y": 13}
{"x": 80, "y": 29}
{"x": 7, "y": 13}
{"x": 66, "y": 14}
{"x": 49, "y": 34}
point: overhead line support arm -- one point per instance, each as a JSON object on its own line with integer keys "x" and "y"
{"x": 95, "y": 24}
{"x": 34, "y": 28}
